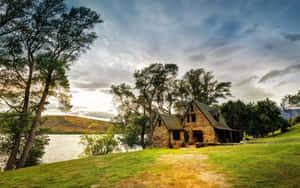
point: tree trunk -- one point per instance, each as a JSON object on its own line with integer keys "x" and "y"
{"x": 143, "y": 132}
{"x": 143, "y": 136}
{"x": 30, "y": 139}
{"x": 23, "y": 120}
{"x": 151, "y": 127}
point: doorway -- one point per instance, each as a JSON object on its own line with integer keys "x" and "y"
{"x": 197, "y": 136}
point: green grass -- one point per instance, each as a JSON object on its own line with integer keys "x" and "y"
{"x": 101, "y": 170}
{"x": 274, "y": 163}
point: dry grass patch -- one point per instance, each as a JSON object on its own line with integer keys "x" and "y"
{"x": 178, "y": 171}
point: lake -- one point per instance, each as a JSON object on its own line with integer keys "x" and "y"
{"x": 64, "y": 147}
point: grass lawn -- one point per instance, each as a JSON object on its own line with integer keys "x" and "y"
{"x": 275, "y": 163}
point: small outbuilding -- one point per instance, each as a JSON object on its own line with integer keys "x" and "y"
{"x": 168, "y": 132}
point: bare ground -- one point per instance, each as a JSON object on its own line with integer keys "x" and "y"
{"x": 179, "y": 171}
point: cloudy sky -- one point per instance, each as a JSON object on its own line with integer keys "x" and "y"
{"x": 254, "y": 44}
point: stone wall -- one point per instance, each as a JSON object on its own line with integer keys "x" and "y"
{"x": 201, "y": 124}
{"x": 160, "y": 137}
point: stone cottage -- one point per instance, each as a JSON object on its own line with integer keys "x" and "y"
{"x": 201, "y": 124}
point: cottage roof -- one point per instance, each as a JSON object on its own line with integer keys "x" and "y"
{"x": 171, "y": 122}
{"x": 209, "y": 113}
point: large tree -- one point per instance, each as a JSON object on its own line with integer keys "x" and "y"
{"x": 18, "y": 59}
{"x": 149, "y": 94}
{"x": 37, "y": 56}
{"x": 202, "y": 86}
{"x": 151, "y": 83}
{"x": 70, "y": 36}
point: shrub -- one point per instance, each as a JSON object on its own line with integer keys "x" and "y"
{"x": 130, "y": 137}
{"x": 99, "y": 144}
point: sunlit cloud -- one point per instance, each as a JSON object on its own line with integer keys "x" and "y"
{"x": 254, "y": 44}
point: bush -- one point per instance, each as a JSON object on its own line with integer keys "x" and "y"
{"x": 99, "y": 144}
{"x": 130, "y": 137}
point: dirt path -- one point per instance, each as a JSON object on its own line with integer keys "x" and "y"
{"x": 179, "y": 171}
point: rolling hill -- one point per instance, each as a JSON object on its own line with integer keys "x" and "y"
{"x": 74, "y": 124}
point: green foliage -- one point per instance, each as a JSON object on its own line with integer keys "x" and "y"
{"x": 99, "y": 144}
{"x": 47, "y": 37}
{"x": 236, "y": 114}
{"x": 130, "y": 137}
{"x": 38, "y": 150}
{"x": 258, "y": 119}
{"x": 132, "y": 133}
{"x": 9, "y": 129}
{"x": 202, "y": 87}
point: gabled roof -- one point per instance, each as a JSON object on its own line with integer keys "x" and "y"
{"x": 209, "y": 112}
{"x": 171, "y": 122}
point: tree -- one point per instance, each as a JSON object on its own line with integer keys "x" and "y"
{"x": 203, "y": 88}
{"x": 18, "y": 60}
{"x": 257, "y": 120}
{"x": 151, "y": 82}
{"x": 149, "y": 94}
{"x": 38, "y": 55}
{"x": 236, "y": 114}
{"x": 70, "y": 36}
{"x": 12, "y": 14}
{"x": 129, "y": 116}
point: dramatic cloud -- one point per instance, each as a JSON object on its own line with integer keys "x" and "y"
{"x": 245, "y": 42}
{"x": 292, "y": 36}
{"x": 246, "y": 81}
{"x": 278, "y": 73}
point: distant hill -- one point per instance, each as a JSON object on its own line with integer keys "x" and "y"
{"x": 292, "y": 112}
{"x": 74, "y": 124}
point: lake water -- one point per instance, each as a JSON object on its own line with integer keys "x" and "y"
{"x": 65, "y": 147}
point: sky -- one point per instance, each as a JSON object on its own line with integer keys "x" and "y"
{"x": 254, "y": 44}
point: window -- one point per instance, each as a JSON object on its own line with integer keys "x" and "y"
{"x": 192, "y": 108}
{"x": 176, "y": 135}
{"x": 159, "y": 122}
{"x": 193, "y": 117}
{"x": 188, "y": 118}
